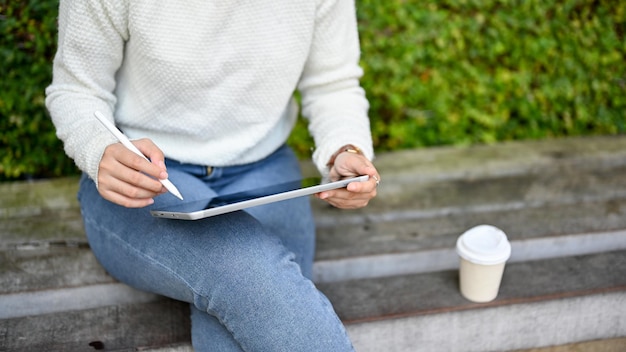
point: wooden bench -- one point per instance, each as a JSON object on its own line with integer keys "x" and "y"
{"x": 390, "y": 269}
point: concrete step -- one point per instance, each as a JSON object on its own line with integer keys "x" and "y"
{"x": 418, "y": 184}
{"x": 120, "y": 327}
{"x": 607, "y": 345}
{"x": 532, "y": 190}
{"x": 557, "y": 200}
{"x": 541, "y": 303}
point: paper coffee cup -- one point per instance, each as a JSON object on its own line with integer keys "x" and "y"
{"x": 484, "y": 251}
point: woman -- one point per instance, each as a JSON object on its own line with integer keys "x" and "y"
{"x": 206, "y": 89}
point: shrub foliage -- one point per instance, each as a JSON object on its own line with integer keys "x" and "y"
{"x": 436, "y": 72}
{"x": 473, "y": 71}
{"x": 28, "y": 144}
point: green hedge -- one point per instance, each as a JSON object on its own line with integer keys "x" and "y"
{"x": 475, "y": 71}
{"x": 436, "y": 72}
{"x": 28, "y": 145}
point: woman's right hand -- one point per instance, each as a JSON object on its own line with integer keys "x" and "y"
{"x": 129, "y": 180}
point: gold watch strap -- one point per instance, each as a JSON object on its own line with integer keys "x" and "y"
{"x": 348, "y": 148}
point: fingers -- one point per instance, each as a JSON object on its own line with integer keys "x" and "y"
{"x": 356, "y": 194}
{"x": 119, "y": 197}
{"x": 155, "y": 155}
{"x": 345, "y": 199}
{"x": 128, "y": 179}
{"x": 369, "y": 186}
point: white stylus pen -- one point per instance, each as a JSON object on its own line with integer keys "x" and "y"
{"x": 126, "y": 142}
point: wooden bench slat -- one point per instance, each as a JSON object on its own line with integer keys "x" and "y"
{"x": 124, "y": 327}
{"x": 409, "y": 295}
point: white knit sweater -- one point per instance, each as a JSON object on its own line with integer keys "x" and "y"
{"x": 209, "y": 81}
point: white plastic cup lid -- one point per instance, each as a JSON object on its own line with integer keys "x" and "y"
{"x": 484, "y": 244}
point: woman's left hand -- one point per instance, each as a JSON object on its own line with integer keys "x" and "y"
{"x": 357, "y": 194}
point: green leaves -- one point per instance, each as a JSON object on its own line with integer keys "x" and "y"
{"x": 492, "y": 70}
{"x": 436, "y": 72}
{"x": 28, "y": 146}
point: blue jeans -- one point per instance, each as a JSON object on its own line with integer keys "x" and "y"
{"x": 245, "y": 274}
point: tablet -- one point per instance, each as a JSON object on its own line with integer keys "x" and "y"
{"x": 201, "y": 209}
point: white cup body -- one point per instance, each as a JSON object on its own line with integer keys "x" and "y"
{"x": 483, "y": 251}
{"x": 480, "y": 283}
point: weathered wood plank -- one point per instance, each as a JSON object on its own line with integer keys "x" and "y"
{"x": 113, "y": 328}
{"x": 27, "y": 199}
{"x": 50, "y": 265}
{"x": 422, "y": 182}
{"x": 559, "y": 203}
{"x": 49, "y": 268}
{"x": 404, "y": 234}
{"x": 166, "y": 322}
{"x": 50, "y": 250}
{"x": 401, "y": 296}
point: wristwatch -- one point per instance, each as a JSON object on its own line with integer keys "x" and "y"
{"x": 348, "y": 148}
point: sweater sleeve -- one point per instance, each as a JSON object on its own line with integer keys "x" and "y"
{"x": 332, "y": 98}
{"x": 90, "y": 51}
